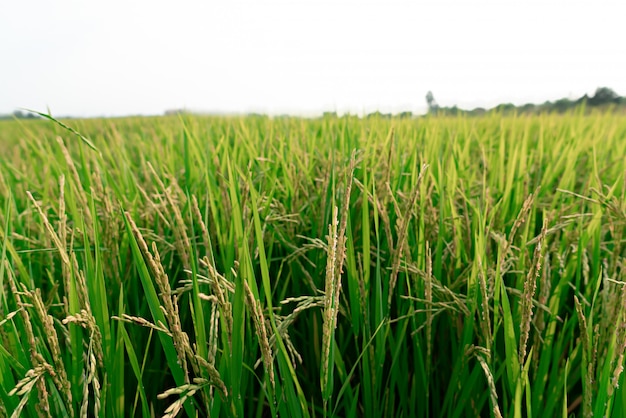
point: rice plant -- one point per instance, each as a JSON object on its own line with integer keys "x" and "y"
{"x": 256, "y": 266}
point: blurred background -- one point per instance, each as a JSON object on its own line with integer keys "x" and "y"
{"x": 115, "y": 58}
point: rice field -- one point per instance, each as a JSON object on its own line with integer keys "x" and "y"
{"x": 255, "y": 267}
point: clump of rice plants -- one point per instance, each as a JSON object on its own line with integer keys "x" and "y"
{"x": 251, "y": 266}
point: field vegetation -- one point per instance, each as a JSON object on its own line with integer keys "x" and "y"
{"x": 250, "y": 266}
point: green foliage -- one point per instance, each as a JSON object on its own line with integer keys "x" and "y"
{"x": 250, "y": 266}
{"x": 604, "y": 97}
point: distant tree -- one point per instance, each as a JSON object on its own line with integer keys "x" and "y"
{"x": 378, "y": 114}
{"x": 563, "y": 105}
{"x": 173, "y": 112}
{"x": 505, "y": 107}
{"x": 583, "y": 99}
{"x": 433, "y": 107}
{"x": 604, "y": 95}
{"x": 478, "y": 111}
{"x": 18, "y": 114}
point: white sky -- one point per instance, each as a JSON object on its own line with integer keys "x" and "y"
{"x": 115, "y": 57}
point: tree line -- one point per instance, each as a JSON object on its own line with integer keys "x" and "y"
{"x": 604, "y": 97}
{"x": 18, "y": 114}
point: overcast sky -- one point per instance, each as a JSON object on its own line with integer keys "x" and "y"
{"x": 114, "y": 57}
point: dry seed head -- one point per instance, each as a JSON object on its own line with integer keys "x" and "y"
{"x": 30, "y": 336}
{"x": 154, "y": 206}
{"x": 521, "y": 218}
{"x": 86, "y": 320}
{"x": 111, "y": 226}
{"x": 362, "y": 292}
{"x": 176, "y": 391}
{"x": 586, "y": 268}
{"x": 428, "y": 296}
{"x": 616, "y": 374}
{"x": 4, "y": 189}
{"x": 530, "y": 285}
{"x": 329, "y": 309}
{"x": 504, "y": 261}
{"x": 390, "y": 139}
{"x": 60, "y": 375}
{"x": 620, "y": 341}
{"x": 588, "y": 372}
{"x": 403, "y": 228}
{"x": 384, "y": 216}
{"x": 216, "y": 281}
{"x": 142, "y": 322}
{"x": 65, "y": 266}
{"x": 27, "y": 383}
{"x": 282, "y": 326}
{"x": 340, "y": 245}
{"x": 174, "y": 409}
{"x": 261, "y": 331}
{"x": 544, "y": 293}
{"x": 141, "y": 242}
{"x": 214, "y": 374}
{"x": 212, "y": 339}
{"x": 195, "y": 209}
{"x": 81, "y": 284}
{"x": 182, "y": 243}
{"x": 283, "y": 323}
{"x": 34, "y": 377}
{"x": 80, "y": 192}
{"x": 294, "y": 356}
{"x": 53, "y": 235}
{"x": 485, "y": 318}
{"x": 208, "y": 298}
{"x": 10, "y": 316}
{"x": 35, "y": 357}
{"x": 181, "y": 341}
{"x": 170, "y": 309}
{"x": 90, "y": 378}
{"x": 493, "y": 395}
{"x": 220, "y": 286}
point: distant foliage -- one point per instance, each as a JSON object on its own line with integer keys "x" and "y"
{"x": 18, "y": 114}
{"x": 603, "y": 97}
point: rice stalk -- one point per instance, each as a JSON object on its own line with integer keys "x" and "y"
{"x": 37, "y": 360}
{"x": 34, "y": 377}
{"x": 587, "y": 364}
{"x": 403, "y": 228}
{"x": 480, "y": 353}
{"x": 80, "y": 191}
{"x": 329, "y": 301}
{"x": 530, "y": 285}
{"x": 261, "y": 332}
{"x": 59, "y": 376}
{"x": 169, "y": 305}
